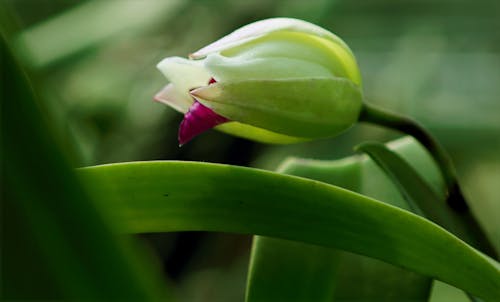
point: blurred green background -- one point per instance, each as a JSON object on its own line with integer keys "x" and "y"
{"x": 94, "y": 65}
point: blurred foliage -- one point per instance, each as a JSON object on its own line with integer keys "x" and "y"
{"x": 56, "y": 243}
{"x": 438, "y": 61}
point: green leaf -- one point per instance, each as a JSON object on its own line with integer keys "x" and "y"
{"x": 284, "y": 270}
{"x": 97, "y": 22}
{"x": 183, "y": 196}
{"x": 422, "y": 198}
{"x": 56, "y": 244}
{"x": 353, "y": 277}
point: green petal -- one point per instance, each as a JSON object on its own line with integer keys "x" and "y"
{"x": 309, "y": 108}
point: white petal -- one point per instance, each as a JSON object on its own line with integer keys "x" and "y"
{"x": 170, "y": 96}
{"x": 260, "y": 28}
{"x": 284, "y": 37}
{"x": 184, "y": 75}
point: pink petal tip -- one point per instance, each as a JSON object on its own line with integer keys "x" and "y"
{"x": 197, "y": 120}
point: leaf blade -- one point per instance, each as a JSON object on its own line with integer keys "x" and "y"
{"x": 56, "y": 243}
{"x": 290, "y": 208}
{"x": 351, "y": 277}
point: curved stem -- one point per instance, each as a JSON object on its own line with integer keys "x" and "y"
{"x": 455, "y": 197}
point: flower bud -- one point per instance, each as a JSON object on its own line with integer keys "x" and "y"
{"x": 277, "y": 80}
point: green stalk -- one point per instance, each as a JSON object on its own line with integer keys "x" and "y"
{"x": 455, "y": 198}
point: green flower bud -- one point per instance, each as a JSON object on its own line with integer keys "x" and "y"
{"x": 278, "y": 81}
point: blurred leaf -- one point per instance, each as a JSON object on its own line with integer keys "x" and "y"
{"x": 183, "y": 196}
{"x": 56, "y": 244}
{"x": 422, "y": 199}
{"x": 442, "y": 292}
{"x": 283, "y": 270}
{"x": 88, "y": 24}
{"x": 353, "y": 277}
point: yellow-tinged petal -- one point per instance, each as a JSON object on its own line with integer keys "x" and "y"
{"x": 258, "y": 134}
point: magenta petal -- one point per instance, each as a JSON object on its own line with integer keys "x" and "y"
{"x": 197, "y": 120}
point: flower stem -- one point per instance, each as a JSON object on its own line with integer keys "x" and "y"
{"x": 454, "y": 198}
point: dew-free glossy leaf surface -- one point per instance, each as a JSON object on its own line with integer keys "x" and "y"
{"x": 183, "y": 196}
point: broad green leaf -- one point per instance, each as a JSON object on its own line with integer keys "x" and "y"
{"x": 353, "y": 277}
{"x": 56, "y": 244}
{"x": 183, "y": 196}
